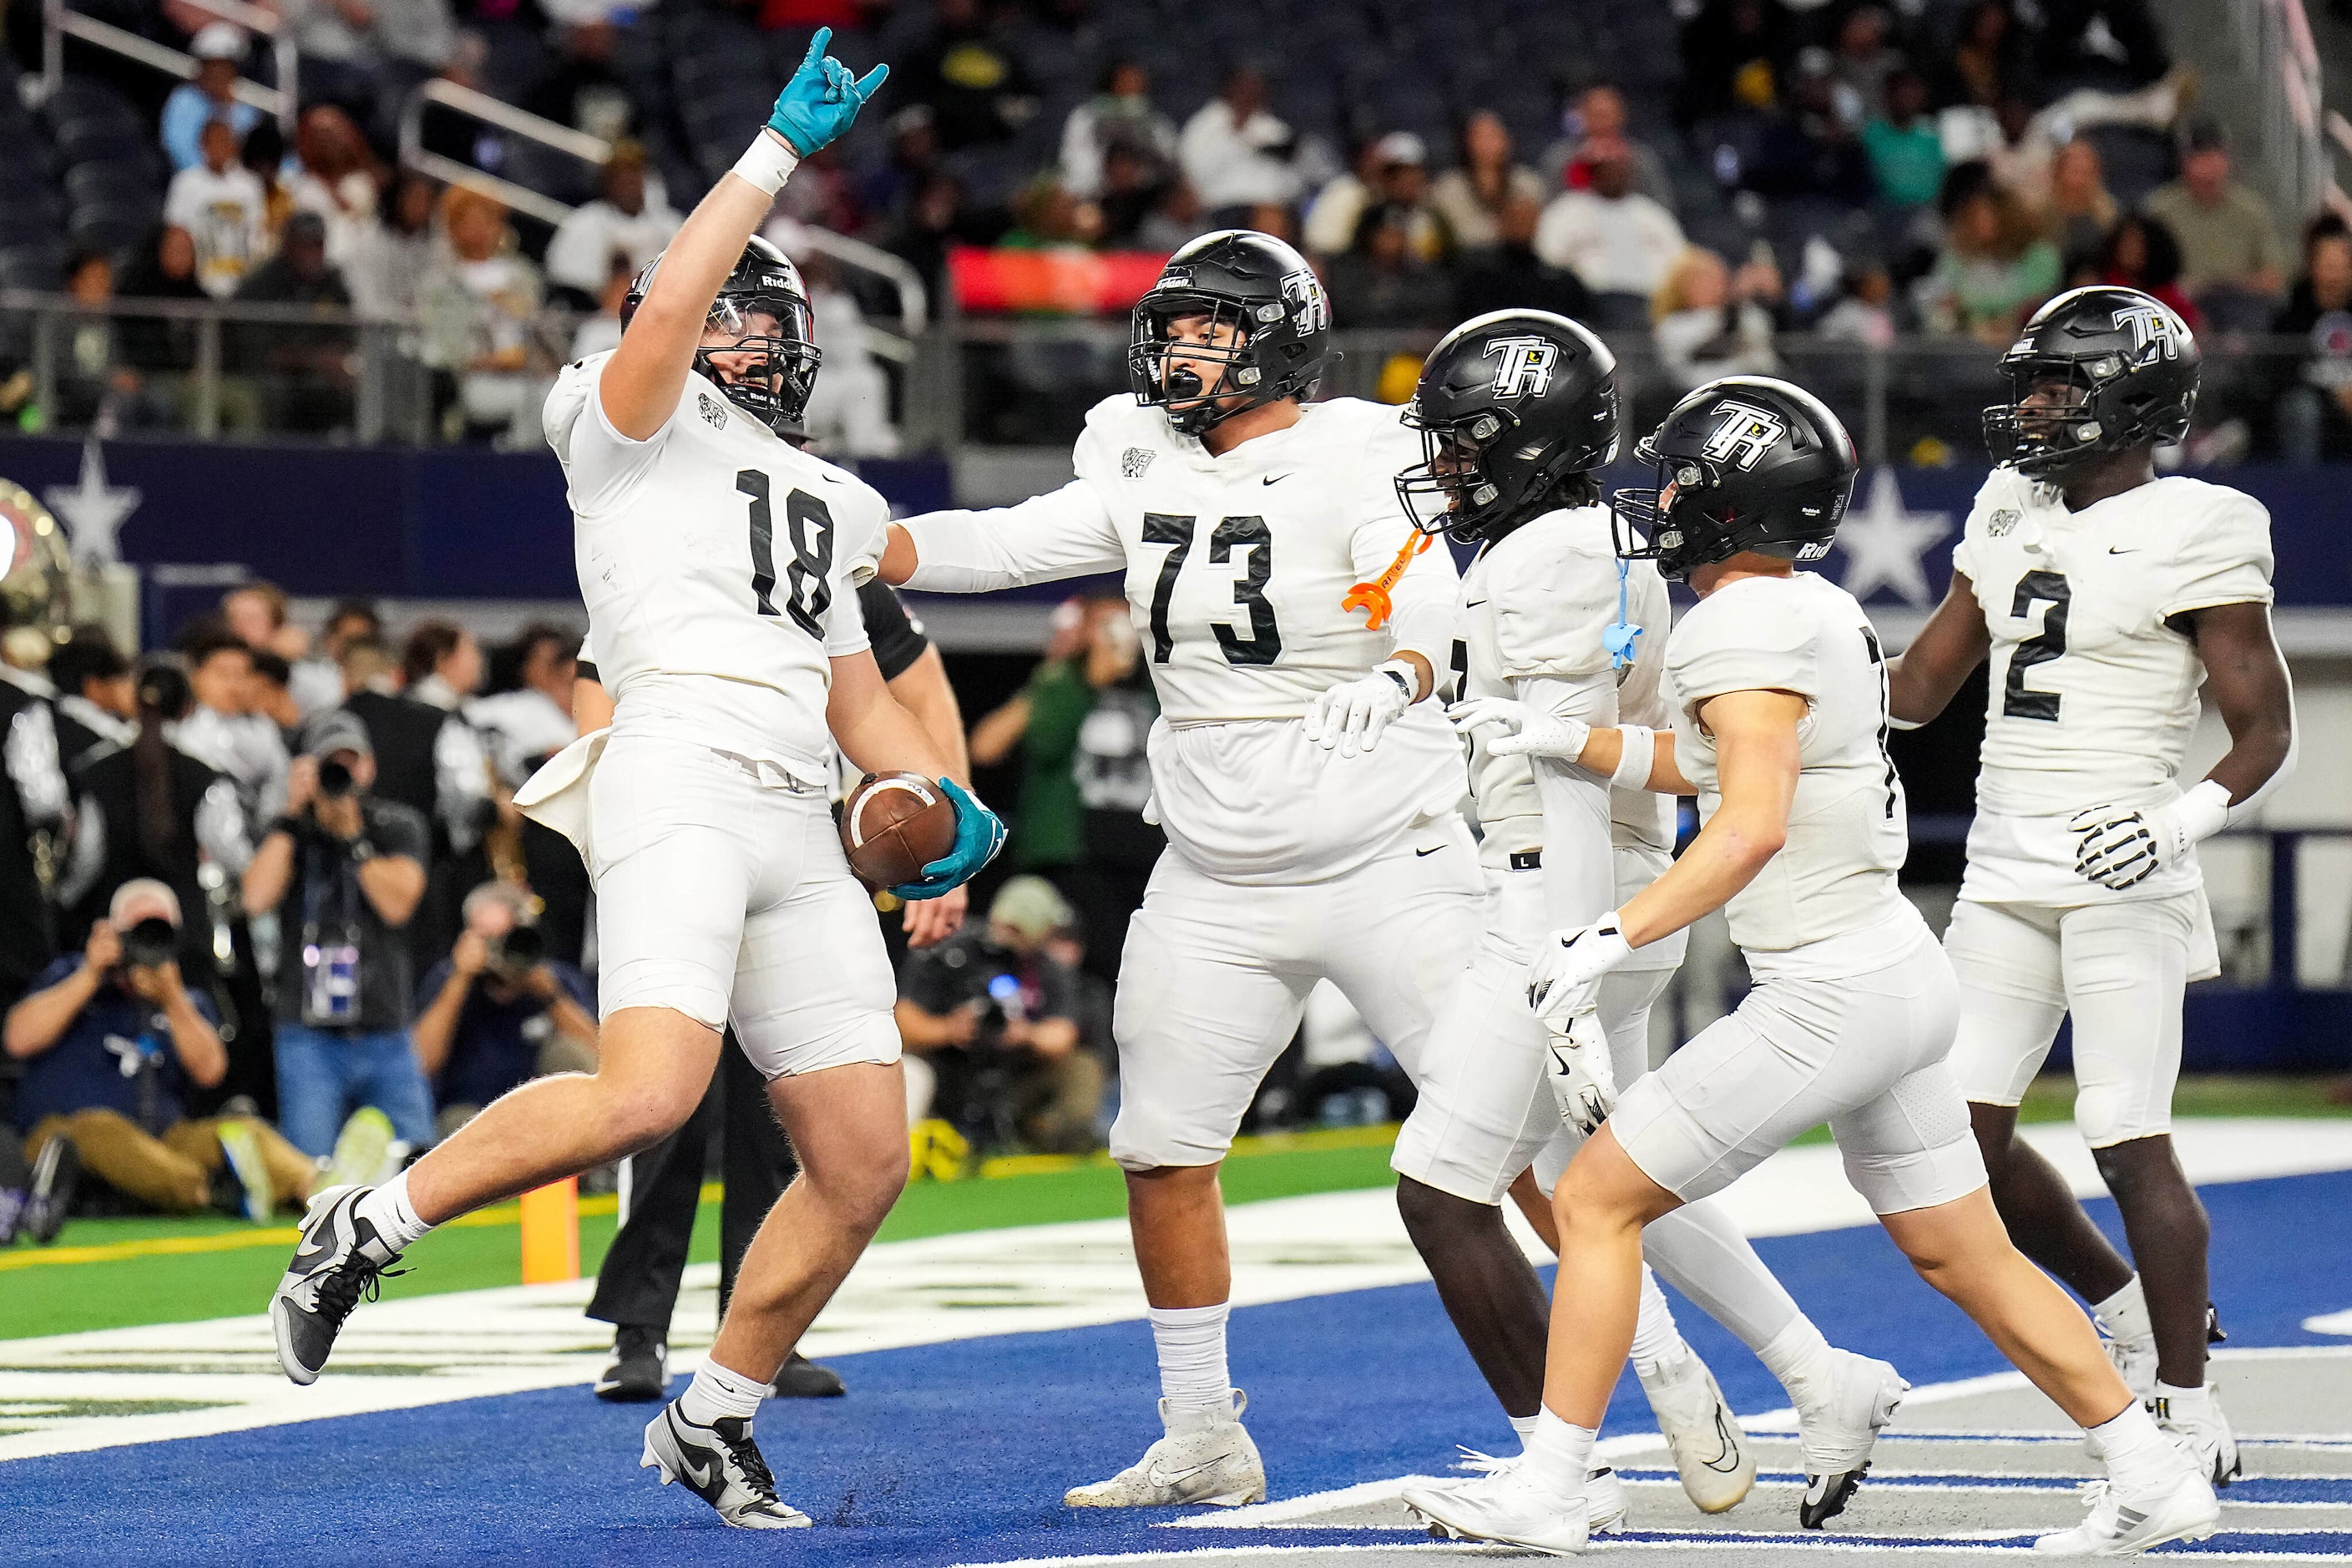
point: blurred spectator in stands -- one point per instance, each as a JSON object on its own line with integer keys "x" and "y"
{"x": 1329, "y": 227}
{"x": 1510, "y": 276}
{"x": 1045, "y": 216}
{"x": 1996, "y": 266}
{"x": 343, "y": 870}
{"x": 355, "y": 51}
{"x": 349, "y": 620}
{"x": 1711, "y": 323}
{"x": 1048, "y": 831}
{"x": 1907, "y": 153}
{"x": 1379, "y": 282}
{"x": 629, "y": 219}
{"x": 1732, "y": 51}
{"x": 1234, "y": 151}
{"x": 940, "y": 216}
{"x": 1469, "y": 200}
{"x": 1597, "y": 118}
{"x": 1863, "y": 62}
{"x": 890, "y": 186}
{"x": 273, "y": 693}
{"x": 498, "y": 1011}
{"x": 977, "y": 90}
{"x": 480, "y": 300}
{"x": 1990, "y": 62}
{"x": 96, "y": 705}
{"x": 441, "y": 770}
{"x": 1618, "y": 242}
{"x": 307, "y": 368}
{"x": 394, "y": 254}
{"x": 2081, "y": 212}
{"x": 165, "y": 268}
{"x": 995, "y": 1019}
{"x": 336, "y": 176}
{"x": 601, "y": 330}
{"x": 316, "y": 679}
{"x": 1865, "y": 312}
{"x": 221, "y": 205}
{"x": 1114, "y": 781}
{"x": 1394, "y": 173}
{"x": 2230, "y": 259}
{"x": 523, "y": 728}
{"x": 263, "y": 154}
{"x": 1271, "y": 218}
{"x": 441, "y": 664}
{"x": 97, "y": 385}
{"x": 1120, "y": 114}
{"x": 256, "y": 612}
{"x": 223, "y": 731}
{"x": 368, "y": 667}
{"x": 219, "y": 48}
{"x": 115, "y": 1045}
{"x": 2140, "y": 253}
{"x": 1176, "y": 219}
{"x": 849, "y": 412}
{"x": 2314, "y": 413}
{"x": 1809, "y": 150}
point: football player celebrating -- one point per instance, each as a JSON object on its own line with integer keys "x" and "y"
{"x": 1243, "y": 517}
{"x": 2106, "y": 597}
{"x": 1779, "y": 697}
{"x": 1517, "y": 410}
{"x": 719, "y": 566}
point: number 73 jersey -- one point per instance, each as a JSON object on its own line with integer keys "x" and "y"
{"x": 716, "y": 549}
{"x": 2093, "y": 695}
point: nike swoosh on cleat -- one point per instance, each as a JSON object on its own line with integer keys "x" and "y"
{"x": 1159, "y": 1478}
{"x": 1728, "y": 1460}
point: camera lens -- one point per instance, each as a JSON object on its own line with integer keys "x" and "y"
{"x": 151, "y": 941}
{"x": 520, "y": 948}
{"x": 334, "y": 778}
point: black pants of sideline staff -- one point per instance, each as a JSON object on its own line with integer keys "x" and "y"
{"x": 638, "y": 1285}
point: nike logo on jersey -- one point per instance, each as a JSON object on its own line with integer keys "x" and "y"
{"x": 1472, "y": 603}
{"x": 1425, "y": 854}
{"x": 1273, "y": 478}
{"x": 2113, "y": 550}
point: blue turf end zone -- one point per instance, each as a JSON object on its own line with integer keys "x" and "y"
{"x": 959, "y": 1452}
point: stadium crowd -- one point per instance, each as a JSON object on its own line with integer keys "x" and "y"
{"x": 1853, "y": 171}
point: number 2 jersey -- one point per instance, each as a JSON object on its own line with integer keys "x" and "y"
{"x": 1848, "y": 833}
{"x": 2093, "y": 696}
{"x": 720, "y": 565}
{"x": 1234, "y": 568}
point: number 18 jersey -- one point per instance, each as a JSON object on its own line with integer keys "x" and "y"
{"x": 720, "y": 565}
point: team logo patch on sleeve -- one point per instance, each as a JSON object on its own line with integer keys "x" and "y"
{"x": 712, "y": 414}
{"x": 1136, "y": 459}
{"x": 2002, "y": 521}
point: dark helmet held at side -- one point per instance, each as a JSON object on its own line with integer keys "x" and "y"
{"x": 1746, "y": 463}
{"x": 1260, "y": 317}
{"x": 765, "y": 306}
{"x": 1510, "y": 405}
{"x": 2102, "y": 369}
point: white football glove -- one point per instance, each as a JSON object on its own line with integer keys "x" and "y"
{"x": 2120, "y": 848}
{"x": 1565, "y": 977}
{"x": 1583, "y": 1080}
{"x": 1526, "y": 732}
{"x": 1349, "y": 718}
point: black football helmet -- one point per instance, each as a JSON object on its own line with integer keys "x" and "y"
{"x": 1279, "y": 341}
{"x": 2096, "y": 370}
{"x": 775, "y": 391}
{"x": 1510, "y": 405}
{"x": 1745, "y": 463}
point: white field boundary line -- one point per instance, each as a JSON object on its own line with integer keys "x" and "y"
{"x": 1948, "y": 1546}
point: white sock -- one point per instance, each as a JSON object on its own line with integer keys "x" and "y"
{"x": 1797, "y": 1355}
{"x": 1525, "y": 1425}
{"x": 2137, "y": 1453}
{"x": 2124, "y": 1315}
{"x": 716, "y": 1391}
{"x": 1559, "y": 1456}
{"x": 1656, "y": 1341}
{"x": 2183, "y": 1402}
{"x": 387, "y": 1209}
{"x": 1192, "y": 1345}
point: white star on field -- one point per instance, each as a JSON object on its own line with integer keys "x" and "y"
{"x": 92, "y": 511}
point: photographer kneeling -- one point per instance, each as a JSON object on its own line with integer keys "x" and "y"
{"x": 994, "y": 1018}
{"x": 112, "y": 1045}
{"x": 502, "y": 1012}
{"x": 344, "y": 871}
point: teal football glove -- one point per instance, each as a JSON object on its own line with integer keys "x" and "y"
{"x": 818, "y": 104}
{"x": 980, "y": 834}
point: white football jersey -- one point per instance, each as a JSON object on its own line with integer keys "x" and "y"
{"x": 1847, "y": 829}
{"x": 720, "y": 565}
{"x": 1234, "y": 568}
{"x": 2093, "y": 696}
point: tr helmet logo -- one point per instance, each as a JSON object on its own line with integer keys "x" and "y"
{"x": 1526, "y": 365}
{"x": 2150, "y": 327}
{"x": 1745, "y": 434}
{"x": 1304, "y": 291}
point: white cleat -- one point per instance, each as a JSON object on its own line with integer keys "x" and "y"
{"x": 1717, "y": 1464}
{"x": 720, "y": 1465}
{"x": 2183, "y": 1509}
{"x": 1604, "y": 1490}
{"x": 1839, "y": 1428}
{"x": 2204, "y": 1434}
{"x": 1505, "y": 1506}
{"x": 1206, "y": 1457}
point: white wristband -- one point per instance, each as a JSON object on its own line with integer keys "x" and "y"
{"x": 767, "y": 163}
{"x": 2203, "y": 811}
{"x": 1638, "y": 758}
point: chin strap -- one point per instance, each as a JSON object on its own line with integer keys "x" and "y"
{"x": 1619, "y": 635}
{"x": 1373, "y": 596}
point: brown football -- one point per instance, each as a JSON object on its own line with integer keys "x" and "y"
{"x": 894, "y": 824}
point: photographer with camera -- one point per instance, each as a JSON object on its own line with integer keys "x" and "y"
{"x": 994, "y": 1017}
{"x": 344, "y": 871}
{"x": 502, "y": 1012}
{"x": 113, "y": 1045}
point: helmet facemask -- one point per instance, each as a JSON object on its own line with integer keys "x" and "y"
{"x": 1213, "y": 332}
{"x": 1670, "y": 524}
{"x": 771, "y": 363}
{"x": 1449, "y": 491}
{"x": 2050, "y": 422}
